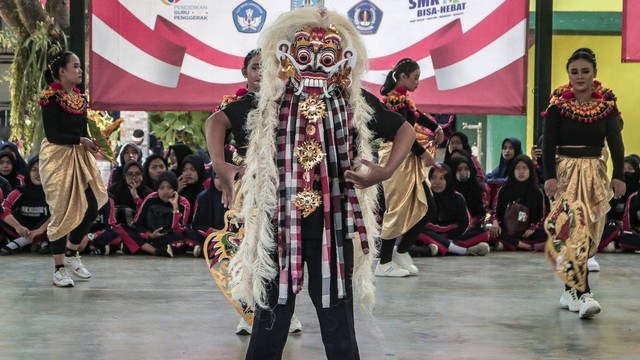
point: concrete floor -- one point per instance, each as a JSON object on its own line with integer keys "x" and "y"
{"x": 503, "y": 306}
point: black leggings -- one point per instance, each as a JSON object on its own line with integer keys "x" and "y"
{"x": 76, "y": 235}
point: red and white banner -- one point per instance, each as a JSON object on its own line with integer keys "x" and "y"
{"x": 186, "y": 54}
{"x": 631, "y": 31}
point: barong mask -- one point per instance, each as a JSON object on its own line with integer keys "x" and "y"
{"x": 316, "y": 62}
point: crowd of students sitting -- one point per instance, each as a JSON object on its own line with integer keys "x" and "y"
{"x": 165, "y": 206}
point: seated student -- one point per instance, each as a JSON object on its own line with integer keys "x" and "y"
{"x": 467, "y": 184}
{"x": 128, "y": 193}
{"x": 448, "y": 230}
{"x": 176, "y": 154}
{"x": 129, "y": 152}
{"x": 25, "y": 213}
{"x": 5, "y": 188}
{"x": 154, "y": 165}
{"x": 511, "y": 147}
{"x": 459, "y": 141}
{"x": 9, "y": 171}
{"x": 104, "y": 235}
{"x": 190, "y": 182}
{"x": 21, "y": 165}
{"x": 208, "y": 214}
{"x": 623, "y": 223}
{"x": 521, "y": 188}
{"x": 160, "y": 224}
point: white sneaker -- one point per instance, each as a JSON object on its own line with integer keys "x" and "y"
{"x": 589, "y": 307}
{"x": 593, "y": 265}
{"x": 197, "y": 251}
{"x": 295, "y": 327}
{"x": 390, "y": 269}
{"x": 243, "y": 328}
{"x": 61, "y": 278}
{"x": 74, "y": 264}
{"x": 405, "y": 261}
{"x": 433, "y": 248}
{"x": 569, "y": 300}
{"x": 480, "y": 249}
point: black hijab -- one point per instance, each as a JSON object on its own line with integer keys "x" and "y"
{"x": 147, "y": 164}
{"x": 180, "y": 151}
{"x": 32, "y": 193}
{"x": 502, "y": 170}
{"x": 20, "y": 163}
{"x": 191, "y": 191}
{"x": 445, "y": 201}
{"x": 120, "y": 190}
{"x": 12, "y": 177}
{"x": 169, "y": 177}
{"x": 524, "y": 192}
{"x": 472, "y": 190}
{"x": 632, "y": 180}
{"x": 465, "y": 145}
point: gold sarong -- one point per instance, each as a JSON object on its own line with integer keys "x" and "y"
{"x": 66, "y": 171}
{"x": 404, "y": 196}
{"x": 577, "y": 217}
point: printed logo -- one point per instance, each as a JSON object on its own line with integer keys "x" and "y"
{"x": 366, "y": 17}
{"x": 249, "y": 17}
{"x": 169, "y": 2}
{"x": 433, "y": 9}
{"x": 296, "y": 4}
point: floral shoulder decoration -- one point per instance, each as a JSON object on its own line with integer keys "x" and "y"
{"x": 228, "y": 99}
{"x": 74, "y": 102}
{"x": 598, "y": 108}
{"x": 398, "y": 99}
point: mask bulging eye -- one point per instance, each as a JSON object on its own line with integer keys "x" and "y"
{"x": 303, "y": 56}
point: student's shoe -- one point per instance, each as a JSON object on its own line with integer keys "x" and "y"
{"x": 592, "y": 264}
{"x": 589, "y": 307}
{"x": 433, "y": 249}
{"x": 74, "y": 264}
{"x": 405, "y": 261}
{"x": 6, "y": 250}
{"x": 480, "y": 249}
{"x": 569, "y": 300}
{"x": 295, "y": 327}
{"x": 390, "y": 269}
{"x": 243, "y": 328}
{"x": 44, "y": 248}
{"x": 610, "y": 248}
{"x": 61, "y": 278}
{"x": 165, "y": 251}
{"x": 197, "y": 251}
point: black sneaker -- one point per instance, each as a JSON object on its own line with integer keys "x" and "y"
{"x": 45, "y": 249}
{"x": 164, "y": 251}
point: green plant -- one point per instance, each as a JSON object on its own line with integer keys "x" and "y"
{"x": 179, "y": 127}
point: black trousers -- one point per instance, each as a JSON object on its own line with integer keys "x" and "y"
{"x": 271, "y": 327}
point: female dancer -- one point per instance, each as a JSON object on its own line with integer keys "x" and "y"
{"x": 576, "y": 125}
{"x": 406, "y": 195}
{"x": 70, "y": 177}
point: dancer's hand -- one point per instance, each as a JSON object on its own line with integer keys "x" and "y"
{"x": 551, "y": 187}
{"x": 226, "y": 174}
{"x": 427, "y": 159}
{"x": 619, "y": 188}
{"x": 363, "y": 180}
{"x": 89, "y": 145}
{"x": 439, "y": 133}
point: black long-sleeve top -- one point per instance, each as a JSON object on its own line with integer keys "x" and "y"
{"x": 560, "y": 130}
{"x": 64, "y": 117}
{"x": 453, "y": 221}
{"x": 423, "y": 120}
